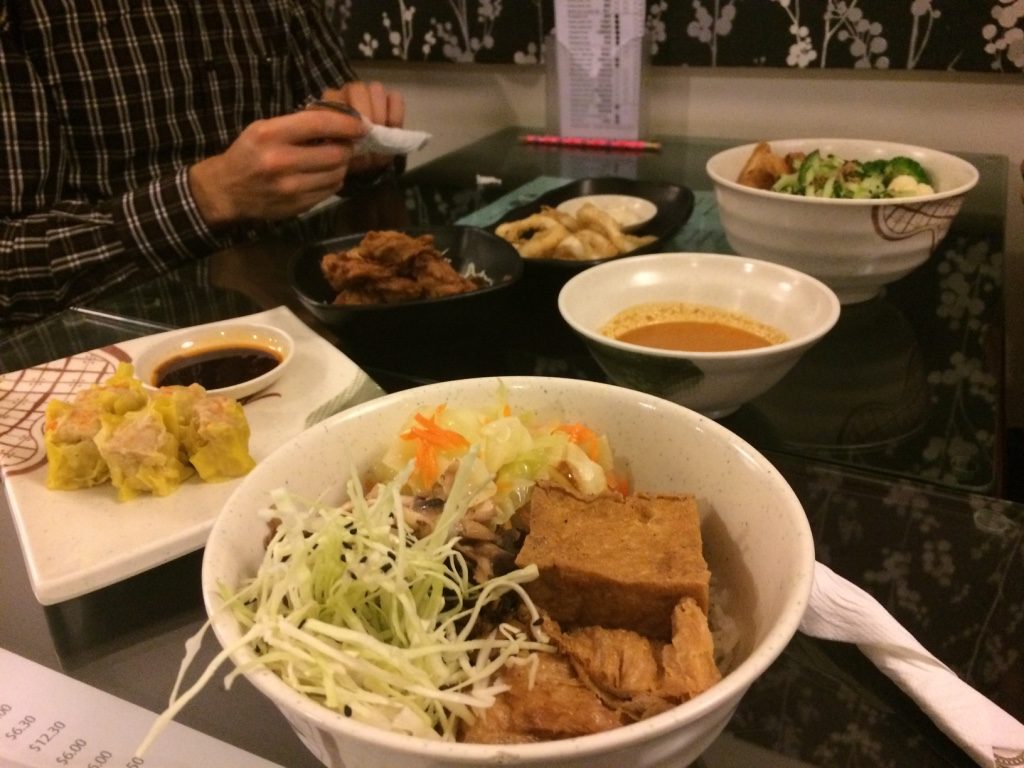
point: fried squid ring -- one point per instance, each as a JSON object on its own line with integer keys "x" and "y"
{"x": 535, "y": 237}
{"x": 552, "y": 234}
{"x": 585, "y": 245}
{"x": 567, "y": 220}
{"x": 593, "y": 218}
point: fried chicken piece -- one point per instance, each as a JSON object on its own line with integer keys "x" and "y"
{"x": 389, "y": 267}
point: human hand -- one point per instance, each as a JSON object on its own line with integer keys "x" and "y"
{"x": 378, "y": 105}
{"x": 276, "y": 168}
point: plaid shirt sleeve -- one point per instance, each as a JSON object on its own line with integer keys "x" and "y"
{"x": 78, "y": 218}
{"x": 54, "y": 251}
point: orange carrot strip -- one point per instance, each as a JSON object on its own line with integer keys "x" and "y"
{"x": 583, "y": 437}
{"x": 430, "y": 439}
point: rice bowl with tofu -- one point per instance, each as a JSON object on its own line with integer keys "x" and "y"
{"x": 738, "y": 503}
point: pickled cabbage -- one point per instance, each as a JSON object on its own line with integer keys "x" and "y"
{"x": 515, "y": 451}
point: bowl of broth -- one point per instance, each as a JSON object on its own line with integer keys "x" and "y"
{"x": 707, "y": 331}
{"x": 233, "y": 358}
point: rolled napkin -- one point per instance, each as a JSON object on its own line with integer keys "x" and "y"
{"x": 842, "y": 611}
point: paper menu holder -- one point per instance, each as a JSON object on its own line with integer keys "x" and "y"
{"x": 606, "y": 102}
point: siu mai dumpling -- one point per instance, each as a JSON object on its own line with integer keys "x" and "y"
{"x": 217, "y": 443}
{"x": 73, "y": 460}
{"x": 142, "y": 454}
{"x": 119, "y": 394}
{"x": 177, "y": 406}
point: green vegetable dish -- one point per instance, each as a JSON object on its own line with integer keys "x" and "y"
{"x": 826, "y": 175}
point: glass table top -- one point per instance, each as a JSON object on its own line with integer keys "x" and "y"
{"x": 889, "y": 432}
{"x": 909, "y": 383}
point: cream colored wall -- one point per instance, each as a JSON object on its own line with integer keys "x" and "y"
{"x": 972, "y": 113}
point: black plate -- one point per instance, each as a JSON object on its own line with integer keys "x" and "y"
{"x": 675, "y": 205}
{"x": 465, "y": 248}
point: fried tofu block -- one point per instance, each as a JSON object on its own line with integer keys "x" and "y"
{"x": 763, "y": 168}
{"x": 689, "y": 661}
{"x": 640, "y": 677}
{"x": 614, "y": 562}
{"x": 557, "y": 706}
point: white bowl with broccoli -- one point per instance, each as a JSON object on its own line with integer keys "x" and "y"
{"x": 857, "y": 214}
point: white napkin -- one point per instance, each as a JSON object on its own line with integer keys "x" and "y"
{"x": 380, "y": 139}
{"x": 839, "y": 610}
{"x": 383, "y": 140}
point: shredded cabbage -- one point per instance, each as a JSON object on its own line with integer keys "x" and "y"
{"x": 351, "y": 609}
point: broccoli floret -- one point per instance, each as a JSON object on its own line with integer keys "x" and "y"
{"x": 906, "y": 166}
{"x": 873, "y": 168}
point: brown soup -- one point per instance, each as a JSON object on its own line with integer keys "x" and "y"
{"x": 690, "y": 328}
{"x": 690, "y": 336}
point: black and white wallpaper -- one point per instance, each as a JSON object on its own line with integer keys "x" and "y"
{"x": 960, "y": 35}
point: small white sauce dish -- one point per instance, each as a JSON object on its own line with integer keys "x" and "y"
{"x": 213, "y": 336}
{"x": 630, "y": 212}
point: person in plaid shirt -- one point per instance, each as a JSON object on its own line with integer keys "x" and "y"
{"x": 141, "y": 134}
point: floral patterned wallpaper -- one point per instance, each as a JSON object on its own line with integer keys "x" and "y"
{"x": 961, "y": 35}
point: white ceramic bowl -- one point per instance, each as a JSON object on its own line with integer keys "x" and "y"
{"x": 854, "y": 246}
{"x": 213, "y": 336}
{"x": 757, "y": 542}
{"x": 714, "y": 383}
{"x": 630, "y": 212}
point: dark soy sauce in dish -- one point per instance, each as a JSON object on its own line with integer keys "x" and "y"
{"x": 216, "y": 367}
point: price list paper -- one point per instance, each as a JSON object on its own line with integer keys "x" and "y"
{"x": 50, "y": 720}
{"x": 599, "y": 50}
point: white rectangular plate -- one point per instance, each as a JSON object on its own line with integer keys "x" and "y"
{"x": 75, "y": 542}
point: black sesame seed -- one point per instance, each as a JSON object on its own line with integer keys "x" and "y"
{"x": 347, "y": 711}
